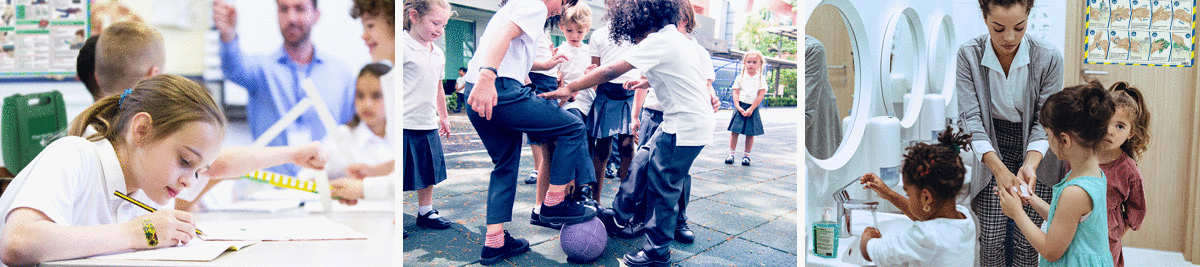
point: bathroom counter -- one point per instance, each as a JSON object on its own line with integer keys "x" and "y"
{"x": 888, "y": 223}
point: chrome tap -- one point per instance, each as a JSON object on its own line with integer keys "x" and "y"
{"x": 845, "y": 205}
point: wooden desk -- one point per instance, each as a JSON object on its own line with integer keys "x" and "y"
{"x": 377, "y": 250}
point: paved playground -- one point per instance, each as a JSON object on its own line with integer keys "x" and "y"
{"x": 742, "y": 216}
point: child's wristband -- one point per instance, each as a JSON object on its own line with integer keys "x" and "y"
{"x": 151, "y": 235}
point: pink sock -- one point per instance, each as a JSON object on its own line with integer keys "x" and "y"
{"x": 553, "y": 198}
{"x": 495, "y": 240}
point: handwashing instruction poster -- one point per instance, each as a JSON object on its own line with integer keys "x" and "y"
{"x": 1140, "y": 32}
{"x": 42, "y": 37}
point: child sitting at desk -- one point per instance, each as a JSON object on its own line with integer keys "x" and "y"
{"x": 63, "y": 206}
{"x": 129, "y": 52}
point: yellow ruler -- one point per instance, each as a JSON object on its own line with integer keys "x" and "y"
{"x": 281, "y": 180}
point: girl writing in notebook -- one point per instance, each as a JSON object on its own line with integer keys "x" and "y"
{"x": 157, "y": 138}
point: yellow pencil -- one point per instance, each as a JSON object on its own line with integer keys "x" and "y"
{"x": 143, "y": 206}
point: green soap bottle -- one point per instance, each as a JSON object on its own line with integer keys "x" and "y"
{"x": 825, "y": 236}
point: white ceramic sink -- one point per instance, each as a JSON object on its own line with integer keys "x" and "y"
{"x": 889, "y": 224}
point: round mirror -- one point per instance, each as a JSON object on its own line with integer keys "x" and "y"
{"x": 941, "y": 58}
{"x": 902, "y": 67}
{"x": 834, "y": 40}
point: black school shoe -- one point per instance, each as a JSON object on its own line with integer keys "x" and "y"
{"x": 584, "y": 196}
{"x": 532, "y": 178}
{"x": 440, "y": 223}
{"x": 512, "y": 247}
{"x": 729, "y": 160}
{"x": 536, "y": 219}
{"x": 648, "y": 258}
{"x": 568, "y": 212}
{"x": 745, "y": 161}
{"x": 684, "y": 234}
{"x": 616, "y": 227}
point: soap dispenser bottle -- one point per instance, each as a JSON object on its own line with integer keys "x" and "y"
{"x": 825, "y": 236}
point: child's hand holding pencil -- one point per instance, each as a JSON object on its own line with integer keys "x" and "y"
{"x": 164, "y": 228}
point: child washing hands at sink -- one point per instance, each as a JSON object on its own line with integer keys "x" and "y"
{"x": 942, "y": 230}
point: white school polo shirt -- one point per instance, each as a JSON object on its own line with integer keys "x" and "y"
{"x": 604, "y": 47}
{"x": 578, "y": 59}
{"x": 365, "y": 147}
{"x": 749, "y": 85}
{"x": 423, "y": 72}
{"x": 530, "y": 17}
{"x": 72, "y": 181}
{"x": 678, "y": 75}
{"x": 545, "y": 53}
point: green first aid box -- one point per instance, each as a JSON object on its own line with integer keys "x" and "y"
{"x": 29, "y": 124}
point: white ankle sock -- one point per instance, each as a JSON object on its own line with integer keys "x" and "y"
{"x": 422, "y": 210}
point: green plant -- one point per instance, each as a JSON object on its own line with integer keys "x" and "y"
{"x": 772, "y": 45}
{"x": 781, "y": 101}
{"x": 452, "y": 102}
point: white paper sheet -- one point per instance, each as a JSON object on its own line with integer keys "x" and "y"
{"x": 314, "y": 228}
{"x": 362, "y": 206}
{"x": 270, "y": 206}
{"x": 197, "y": 250}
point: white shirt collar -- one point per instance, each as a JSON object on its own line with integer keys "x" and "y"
{"x": 991, "y": 61}
{"x": 363, "y": 135}
{"x": 114, "y": 177}
{"x": 413, "y": 43}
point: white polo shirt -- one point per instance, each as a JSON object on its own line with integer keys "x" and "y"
{"x": 609, "y": 51}
{"x": 72, "y": 181}
{"x": 544, "y": 53}
{"x": 423, "y": 72}
{"x": 749, "y": 85}
{"x": 679, "y": 76}
{"x": 365, "y": 148}
{"x": 530, "y": 17}
{"x": 578, "y": 59}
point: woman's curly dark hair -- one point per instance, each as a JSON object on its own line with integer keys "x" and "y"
{"x": 1081, "y": 110}
{"x": 937, "y": 167}
{"x": 632, "y": 20}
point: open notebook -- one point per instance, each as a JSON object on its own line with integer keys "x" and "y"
{"x": 290, "y": 229}
{"x": 362, "y": 206}
{"x": 197, "y": 250}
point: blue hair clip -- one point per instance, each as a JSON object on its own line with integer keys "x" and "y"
{"x": 123, "y": 95}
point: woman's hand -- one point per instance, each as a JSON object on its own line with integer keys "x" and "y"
{"x": 483, "y": 96}
{"x": 166, "y": 227}
{"x": 444, "y": 127}
{"x": 1027, "y": 175}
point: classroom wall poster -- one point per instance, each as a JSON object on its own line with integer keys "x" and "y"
{"x": 1140, "y": 32}
{"x": 42, "y": 37}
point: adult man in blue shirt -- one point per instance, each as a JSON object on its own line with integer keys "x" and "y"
{"x": 273, "y": 80}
